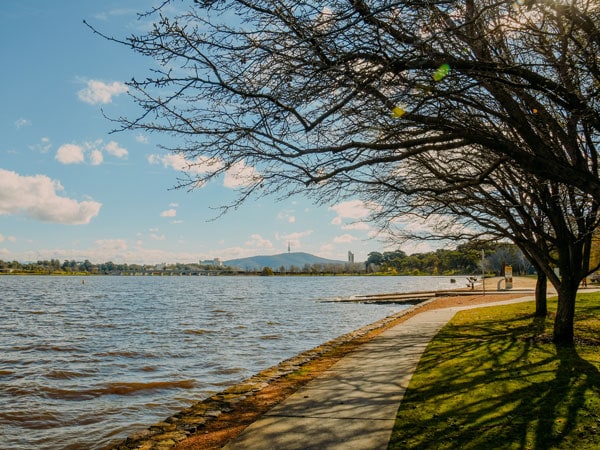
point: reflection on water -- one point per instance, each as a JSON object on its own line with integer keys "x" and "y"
{"x": 84, "y": 365}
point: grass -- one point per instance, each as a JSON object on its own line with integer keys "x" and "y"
{"x": 492, "y": 379}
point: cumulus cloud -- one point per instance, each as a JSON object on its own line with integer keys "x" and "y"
{"x": 179, "y": 162}
{"x": 353, "y": 209}
{"x": 114, "y": 149}
{"x": 240, "y": 175}
{"x": 168, "y": 213}
{"x": 96, "y": 157}
{"x": 141, "y": 139}
{"x": 90, "y": 150}
{"x": 36, "y": 197}
{"x": 98, "y": 92}
{"x": 70, "y": 154}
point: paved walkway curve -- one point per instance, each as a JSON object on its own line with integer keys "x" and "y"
{"x": 353, "y": 405}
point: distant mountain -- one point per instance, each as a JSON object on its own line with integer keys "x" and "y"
{"x": 286, "y": 260}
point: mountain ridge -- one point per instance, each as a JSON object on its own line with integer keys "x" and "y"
{"x": 298, "y": 259}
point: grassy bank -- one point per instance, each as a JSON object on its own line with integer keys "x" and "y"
{"x": 492, "y": 379}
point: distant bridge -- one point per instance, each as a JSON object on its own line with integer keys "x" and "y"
{"x": 177, "y": 273}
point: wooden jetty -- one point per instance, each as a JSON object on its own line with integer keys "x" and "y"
{"x": 413, "y": 298}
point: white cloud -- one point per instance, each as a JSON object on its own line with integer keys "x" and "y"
{"x": 22, "y": 123}
{"x": 336, "y": 221}
{"x": 294, "y": 239}
{"x": 157, "y": 237}
{"x": 1, "y": 238}
{"x": 179, "y": 162}
{"x": 96, "y": 157}
{"x": 70, "y": 154}
{"x": 240, "y": 175}
{"x": 286, "y": 216}
{"x": 36, "y": 197}
{"x": 98, "y": 92}
{"x": 256, "y": 241}
{"x": 168, "y": 213}
{"x": 353, "y": 209}
{"x": 113, "y": 149}
{"x": 43, "y": 147}
{"x": 344, "y": 239}
{"x": 92, "y": 150}
{"x": 12, "y": 239}
{"x": 356, "y": 211}
{"x": 174, "y": 205}
{"x": 141, "y": 139}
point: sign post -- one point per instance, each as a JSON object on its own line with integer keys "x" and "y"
{"x": 483, "y": 270}
{"x": 508, "y": 277}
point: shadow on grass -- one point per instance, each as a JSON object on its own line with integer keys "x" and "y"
{"x": 497, "y": 384}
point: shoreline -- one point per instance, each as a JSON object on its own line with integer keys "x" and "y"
{"x": 212, "y": 422}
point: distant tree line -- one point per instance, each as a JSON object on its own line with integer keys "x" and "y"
{"x": 54, "y": 266}
{"x": 465, "y": 259}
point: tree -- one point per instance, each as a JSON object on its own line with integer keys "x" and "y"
{"x": 297, "y": 97}
{"x": 267, "y": 272}
{"x": 552, "y": 224}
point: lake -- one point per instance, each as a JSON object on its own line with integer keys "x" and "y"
{"x": 86, "y": 361}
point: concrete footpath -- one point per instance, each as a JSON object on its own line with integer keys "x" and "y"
{"x": 353, "y": 405}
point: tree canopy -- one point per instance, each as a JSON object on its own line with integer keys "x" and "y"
{"x": 290, "y": 95}
{"x": 484, "y": 113}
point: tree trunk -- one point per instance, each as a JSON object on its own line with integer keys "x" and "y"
{"x": 565, "y": 314}
{"x": 541, "y": 290}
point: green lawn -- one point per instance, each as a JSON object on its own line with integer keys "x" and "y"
{"x": 491, "y": 379}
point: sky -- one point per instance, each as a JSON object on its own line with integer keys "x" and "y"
{"x": 70, "y": 188}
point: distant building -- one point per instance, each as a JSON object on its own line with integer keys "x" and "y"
{"x": 212, "y": 262}
{"x": 350, "y": 257}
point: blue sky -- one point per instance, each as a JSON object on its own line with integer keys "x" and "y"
{"x": 69, "y": 189}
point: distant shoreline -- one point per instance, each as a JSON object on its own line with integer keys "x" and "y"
{"x": 155, "y": 273}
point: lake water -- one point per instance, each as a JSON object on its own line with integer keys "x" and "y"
{"x": 85, "y": 364}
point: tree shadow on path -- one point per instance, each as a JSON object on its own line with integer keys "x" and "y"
{"x": 500, "y": 385}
